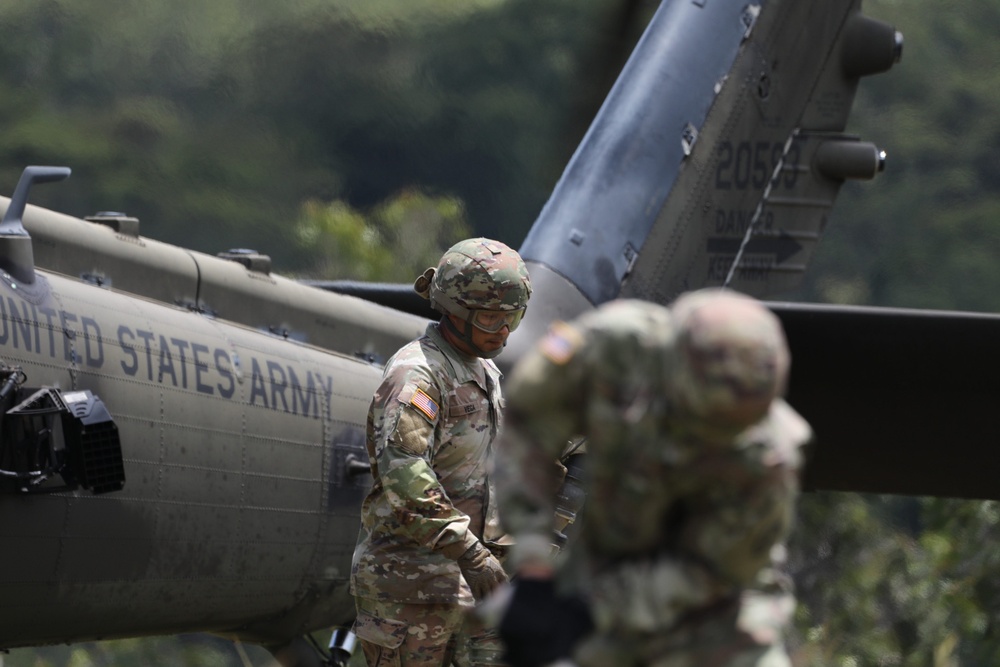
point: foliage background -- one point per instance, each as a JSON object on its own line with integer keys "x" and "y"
{"x": 344, "y": 137}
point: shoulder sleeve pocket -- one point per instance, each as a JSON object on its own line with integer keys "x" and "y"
{"x": 413, "y": 433}
{"x": 380, "y": 631}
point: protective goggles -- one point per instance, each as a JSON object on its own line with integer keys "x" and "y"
{"x": 492, "y": 321}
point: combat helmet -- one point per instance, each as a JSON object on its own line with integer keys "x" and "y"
{"x": 482, "y": 282}
{"x": 731, "y": 359}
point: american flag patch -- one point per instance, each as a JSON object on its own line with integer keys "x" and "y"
{"x": 560, "y": 344}
{"x": 421, "y": 401}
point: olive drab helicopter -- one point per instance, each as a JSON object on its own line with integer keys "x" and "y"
{"x": 182, "y": 435}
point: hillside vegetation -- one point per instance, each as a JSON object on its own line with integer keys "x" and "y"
{"x": 334, "y": 134}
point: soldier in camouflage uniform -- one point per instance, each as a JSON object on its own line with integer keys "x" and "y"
{"x": 691, "y": 476}
{"x": 430, "y": 537}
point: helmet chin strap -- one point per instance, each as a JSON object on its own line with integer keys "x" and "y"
{"x": 466, "y": 337}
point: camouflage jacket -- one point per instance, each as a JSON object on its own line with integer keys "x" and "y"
{"x": 671, "y": 524}
{"x": 431, "y": 427}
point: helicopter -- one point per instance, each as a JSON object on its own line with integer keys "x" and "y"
{"x": 182, "y": 435}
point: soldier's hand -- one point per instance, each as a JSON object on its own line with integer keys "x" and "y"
{"x": 540, "y": 627}
{"x": 482, "y": 571}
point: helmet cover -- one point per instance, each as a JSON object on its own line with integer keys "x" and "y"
{"x": 477, "y": 274}
{"x": 732, "y": 358}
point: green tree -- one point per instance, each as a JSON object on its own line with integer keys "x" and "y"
{"x": 474, "y": 107}
{"x": 213, "y": 123}
{"x": 395, "y": 242}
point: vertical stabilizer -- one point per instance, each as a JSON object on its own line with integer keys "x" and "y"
{"x": 715, "y": 160}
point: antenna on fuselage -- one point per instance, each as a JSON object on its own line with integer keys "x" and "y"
{"x": 16, "y": 255}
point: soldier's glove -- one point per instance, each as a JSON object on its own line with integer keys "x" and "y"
{"x": 482, "y": 571}
{"x": 540, "y": 627}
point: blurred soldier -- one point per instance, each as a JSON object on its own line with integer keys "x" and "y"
{"x": 691, "y": 476}
{"x": 428, "y": 545}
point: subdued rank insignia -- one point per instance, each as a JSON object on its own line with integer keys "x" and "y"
{"x": 421, "y": 401}
{"x": 561, "y": 343}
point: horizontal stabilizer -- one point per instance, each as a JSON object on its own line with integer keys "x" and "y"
{"x": 902, "y": 401}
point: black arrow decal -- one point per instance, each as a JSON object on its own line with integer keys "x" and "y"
{"x": 782, "y": 246}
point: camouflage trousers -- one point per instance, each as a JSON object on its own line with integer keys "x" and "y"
{"x": 392, "y": 634}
